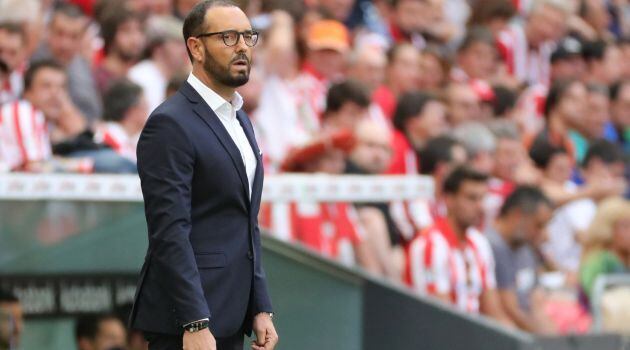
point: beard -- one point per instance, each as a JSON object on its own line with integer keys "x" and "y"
{"x": 222, "y": 74}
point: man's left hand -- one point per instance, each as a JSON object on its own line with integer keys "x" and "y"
{"x": 266, "y": 336}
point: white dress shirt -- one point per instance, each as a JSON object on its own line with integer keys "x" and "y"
{"x": 226, "y": 111}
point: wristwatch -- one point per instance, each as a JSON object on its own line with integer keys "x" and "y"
{"x": 196, "y": 326}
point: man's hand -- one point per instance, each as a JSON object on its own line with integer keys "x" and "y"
{"x": 202, "y": 340}
{"x": 266, "y": 336}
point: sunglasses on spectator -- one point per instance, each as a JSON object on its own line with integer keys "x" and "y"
{"x": 231, "y": 37}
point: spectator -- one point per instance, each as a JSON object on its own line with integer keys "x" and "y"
{"x": 567, "y": 61}
{"x": 620, "y": 113}
{"x": 438, "y": 157}
{"x": 409, "y": 20}
{"x": 526, "y": 48}
{"x": 367, "y": 65}
{"x": 346, "y": 105}
{"x": 338, "y": 10}
{"x": 606, "y": 243}
{"x": 492, "y": 14}
{"x": 603, "y": 165}
{"x": 166, "y": 53}
{"x": 125, "y": 114}
{"x": 603, "y": 62}
{"x": 593, "y": 125}
{"x": 135, "y": 337}
{"x": 433, "y": 72}
{"x": 597, "y": 15}
{"x": 65, "y": 35}
{"x": 332, "y": 229}
{"x": 419, "y": 117}
{"x": 371, "y": 156}
{"x": 123, "y": 44}
{"x": 477, "y": 57}
{"x": 463, "y": 104}
{"x": 514, "y": 237}
{"x": 564, "y": 109}
{"x": 480, "y": 146}
{"x": 452, "y": 260}
{"x": 401, "y": 76}
{"x": 100, "y": 332}
{"x": 13, "y": 54}
{"x": 11, "y": 320}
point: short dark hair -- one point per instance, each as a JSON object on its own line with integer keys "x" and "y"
{"x": 525, "y": 198}
{"x": 87, "y": 326}
{"x": 504, "y": 100}
{"x": 7, "y": 296}
{"x": 410, "y": 105}
{"x": 556, "y": 93}
{"x": 616, "y": 88}
{"x": 67, "y": 9}
{"x": 193, "y": 24}
{"x": 437, "y": 150}
{"x": 605, "y": 151}
{"x": 36, "y": 66}
{"x": 543, "y": 150}
{"x": 344, "y": 92}
{"x": 13, "y": 28}
{"x": 477, "y": 35}
{"x": 459, "y": 175}
{"x": 111, "y": 22}
{"x": 594, "y": 50}
{"x": 484, "y": 11}
{"x": 121, "y": 95}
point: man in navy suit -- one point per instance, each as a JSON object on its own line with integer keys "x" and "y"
{"x": 202, "y": 285}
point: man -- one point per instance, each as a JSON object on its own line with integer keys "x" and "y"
{"x": 567, "y": 61}
{"x": 452, "y": 261}
{"x": 526, "y": 48}
{"x": 463, "y": 103}
{"x": 514, "y": 236}
{"x": 437, "y": 158}
{"x": 166, "y": 59}
{"x": 124, "y": 116}
{"x": 477, "y": 57}
{"x": 100, "y": 332}
{"x": 11, "y": 321}
{"x": 13, "y": 54}
{"x": 65, "y": 36}
{"x": 593, "y": 125}
{"x": 123, "y": 39}
{"x": 620, "y": 113}
{"x": 206, "y": 243}
{"x": 480, "y": 145}
{"x": 604, "y": 62}
{"x": 401, "y": 75}
{"x": 347, "y": 104}
{"x": 336, "y": 9}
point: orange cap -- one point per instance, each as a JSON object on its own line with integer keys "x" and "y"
{"x": 342, "y": 140}
{"x": 328, "y": 34}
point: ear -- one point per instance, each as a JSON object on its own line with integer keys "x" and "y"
{"x": 196, "y": 49}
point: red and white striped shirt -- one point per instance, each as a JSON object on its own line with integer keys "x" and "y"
{"x": 114, "y": 135}
{"x": 11, "y": 87}
{"x": 23, "y": 135}
{"x": 438, "y": 263}
{"x": 531, "y": 65}
{"x": 331, "y": 229}
{"x": 412, "y": 217}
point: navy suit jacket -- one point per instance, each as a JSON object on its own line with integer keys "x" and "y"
{"x": 204, "y": 255}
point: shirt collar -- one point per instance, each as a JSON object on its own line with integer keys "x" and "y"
{"x": 214, "y": 100}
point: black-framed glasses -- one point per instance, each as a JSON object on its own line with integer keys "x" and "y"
{"x": 231, "y": 37}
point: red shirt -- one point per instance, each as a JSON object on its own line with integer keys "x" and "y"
{"x": 385, "y": 98}
{"x": 404, "y": 159}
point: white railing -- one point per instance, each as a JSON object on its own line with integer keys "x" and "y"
{"x": 277, "y": 188}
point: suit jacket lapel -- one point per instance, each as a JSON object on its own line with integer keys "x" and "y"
{"x": 206, "y": 113}
{"x": 259, "y": 173}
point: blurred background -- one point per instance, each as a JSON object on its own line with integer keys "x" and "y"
{"x": 433, "y": 167}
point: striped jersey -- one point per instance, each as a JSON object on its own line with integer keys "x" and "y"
{"x": 530, "y": 65}
{"x": 114, "y": 136}
{"x": 439, "y": 263}
{"x": 23, "y": 135}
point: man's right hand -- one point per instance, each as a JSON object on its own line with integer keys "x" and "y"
{"x": 202, "y": 340}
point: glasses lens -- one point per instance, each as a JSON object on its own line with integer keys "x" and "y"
{"x": 230, "y": 38}
{"x": 250, "y": 38}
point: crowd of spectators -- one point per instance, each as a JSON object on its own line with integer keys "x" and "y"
{"x": 519, "y": 111}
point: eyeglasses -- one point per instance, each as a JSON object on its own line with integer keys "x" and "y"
{"x": 231, "y": 37}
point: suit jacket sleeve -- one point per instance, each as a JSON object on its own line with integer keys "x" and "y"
{"x": 165, "y": 163}
{"x": 262, "y": 301}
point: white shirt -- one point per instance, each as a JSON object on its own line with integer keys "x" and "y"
{"x": 226, "y": 111}
{"x": 153, "y": 83}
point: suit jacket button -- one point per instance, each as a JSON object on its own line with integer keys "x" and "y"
{"x": 250, "y": 255}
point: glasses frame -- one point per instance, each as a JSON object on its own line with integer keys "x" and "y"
{"x": 254, "y": 33}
